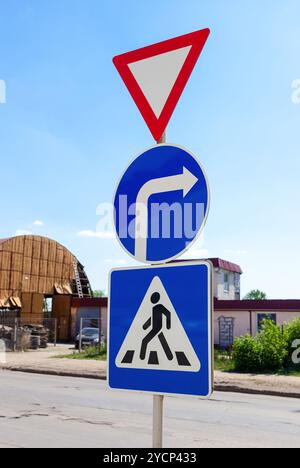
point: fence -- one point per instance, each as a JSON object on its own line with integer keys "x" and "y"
{"x": 20, "y": 334}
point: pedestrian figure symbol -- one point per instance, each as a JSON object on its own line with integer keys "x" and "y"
{"x": 157, "y": 338}
{"x": 159, "y": 311}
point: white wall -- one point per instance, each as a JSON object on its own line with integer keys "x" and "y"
{"x": 219, "y": 286}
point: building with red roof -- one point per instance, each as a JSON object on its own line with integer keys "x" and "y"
{"x": 233, "y": 317}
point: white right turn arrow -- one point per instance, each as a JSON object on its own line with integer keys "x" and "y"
{"x": 185, "y": 182}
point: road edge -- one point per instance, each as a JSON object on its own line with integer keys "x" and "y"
{"x": 102, "y": 376}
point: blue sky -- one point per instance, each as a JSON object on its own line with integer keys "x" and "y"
{"x": 69, "y": 127}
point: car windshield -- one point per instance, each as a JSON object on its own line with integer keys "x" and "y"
{"x": 90, "y": 331}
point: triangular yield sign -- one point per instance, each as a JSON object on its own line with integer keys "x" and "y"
{"x": 156, "y": 341}
{"x": 157, "y": 75}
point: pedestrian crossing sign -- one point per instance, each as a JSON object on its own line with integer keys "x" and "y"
{"x": 160, "y": 329}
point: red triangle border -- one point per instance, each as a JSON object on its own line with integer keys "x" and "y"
{"x": 156, "y": 125}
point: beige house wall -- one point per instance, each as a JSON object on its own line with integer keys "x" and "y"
{"x": 242, "y": 320}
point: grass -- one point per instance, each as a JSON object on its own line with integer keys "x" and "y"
{"x": 91, "y": 353}
{"x": 290, "y": 373}
{"x": 223, "y": 361}
{"x": 294, "y": 373}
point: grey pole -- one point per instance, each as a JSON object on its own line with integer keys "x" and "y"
{"x": 55, "y": 332}
{"x": 158, "y": 400}
{"x": 158, "y": 411}
{"x": 80, "y": 336}
{"x": 15, "y": 335}
{"x": 100, "y": 329}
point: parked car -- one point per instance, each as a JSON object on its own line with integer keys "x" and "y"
{"x": 89, "y": 337}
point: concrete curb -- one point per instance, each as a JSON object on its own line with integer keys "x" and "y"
{"x": 41, "y": 371}
{"x": 226, "y": 388}
{"x": 254, "y": 391}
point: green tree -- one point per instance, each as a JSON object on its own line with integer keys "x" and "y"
{"x": 256, "y": 295}
{"x": 99, "y": 293}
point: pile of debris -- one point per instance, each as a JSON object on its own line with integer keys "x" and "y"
{"x": 25, "y": 337}
{"x": 39, "y": 335}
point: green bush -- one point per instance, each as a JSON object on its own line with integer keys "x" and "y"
{"x": 273, "y": 346}
{"x": 265, "y": 353}
{"x": 246, "y": 354}
{"x": 292, "y": 332}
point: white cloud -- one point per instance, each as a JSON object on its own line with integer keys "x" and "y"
{"x": 38, "y": 223}
{"x": 22, "y": 232}
{"x": 98, "y": 235}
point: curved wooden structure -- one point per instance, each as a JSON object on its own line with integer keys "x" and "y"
{"x": 34, "y": 267}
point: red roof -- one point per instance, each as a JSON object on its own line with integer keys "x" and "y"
{"x": 89, "y": 302}
{"x": 225, "y": 265}
{"x": 217, "y": 263}
{"x": 266, "y": 305}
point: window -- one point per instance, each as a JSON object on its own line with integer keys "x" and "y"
{"x": 262, "y": 317}
{"x": 237, "y": 282}
{"x": 226, "y": 282}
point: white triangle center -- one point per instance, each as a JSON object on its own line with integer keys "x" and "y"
{"x": 157, "y": 76}
{"x": 156, "y": 339}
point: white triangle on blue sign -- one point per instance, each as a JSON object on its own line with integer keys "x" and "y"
{"x": 157, "y": 339}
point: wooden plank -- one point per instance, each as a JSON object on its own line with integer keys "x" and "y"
{"x": 37, "y": 304}
{"x": 17, "y": 262}
{"x": 43, "y": 285}
{"x": 28, "y": 247}
{"x": 58, "y": 272}
{"x": 15, "y": 282}
{"x": 35, "y": 267}
{"x": 50, "y": 269}
{"x": 43, "y": 268}
{"x": 34, "y": 284}
{"x": 52, "y": 251}
{"x": 61, "y": 309}
{"x": 5, "y": 261}
{"x": 36, "y": 254}
{"x": 45, "y": 249}
{"x": 4, "y": 282}
{"x": 27, "y": 265}
{"x": 59, "y": 255}
{"x": 26, "y": 303}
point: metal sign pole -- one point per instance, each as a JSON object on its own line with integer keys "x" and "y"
{"x": 158, "y": 400}
{"x": 158, "y": 407}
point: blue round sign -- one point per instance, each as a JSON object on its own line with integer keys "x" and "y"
{"x": 161, "y": 204}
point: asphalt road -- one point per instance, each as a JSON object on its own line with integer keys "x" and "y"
{"x": 46, "y": 411}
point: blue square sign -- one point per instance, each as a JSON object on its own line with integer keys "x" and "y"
{"x": 160, "y": 329}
